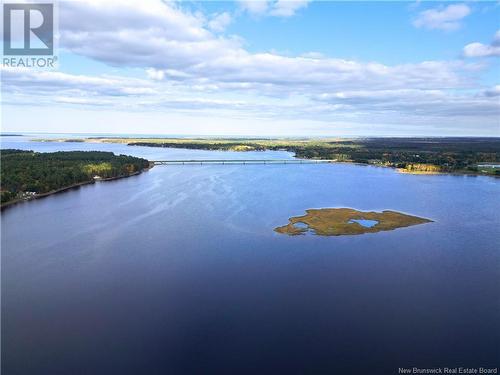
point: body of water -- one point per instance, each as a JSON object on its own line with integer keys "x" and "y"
{"x": 178, "y": 271}
{"x": 364, "y": 223}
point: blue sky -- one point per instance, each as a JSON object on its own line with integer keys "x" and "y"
{"x": 380, "y": 31}
{"x": 306, "y": 68}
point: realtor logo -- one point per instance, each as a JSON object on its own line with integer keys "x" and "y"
{"x": 28, "y": 29}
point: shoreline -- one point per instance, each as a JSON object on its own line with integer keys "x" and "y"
{"x": 402, "y": 170}
{"x": 178, "y": 143}
{"x": 454, "y": 173}
{"x": 67, "y": 188}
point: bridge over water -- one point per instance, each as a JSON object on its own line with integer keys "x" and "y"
{"x": 239, "y": 161}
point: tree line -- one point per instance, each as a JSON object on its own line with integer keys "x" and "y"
{"x": 27, "y": 173}
{"x": 447, "y": 154}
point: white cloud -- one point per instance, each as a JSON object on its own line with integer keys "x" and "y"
{"x": 492, "y": 92}
{"x": 220, "y": 22}
{"x": 447, "y": 18}
{"x": 48, "y": 87}
{"x": 150, "y": 33}
{"x": 254, "y": 7}
{"x": 496, "y": 38}
{"x": 439, "y": 103}
{"x": 484, "y": 50}
{"x": 28, "y": 81}
{"x": 277, "y": 8}
{"x": 157, "y": 75}
{"x": 287, "y": 8}
{"x": 171, "y": 43}
{"x": 125, "y": 94}
{"x": 481, "y": 50}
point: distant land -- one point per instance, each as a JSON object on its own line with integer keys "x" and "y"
{"x": 462, "y": 155}
{"x": 28, "y": 175}
{"x": 347, "y": 221}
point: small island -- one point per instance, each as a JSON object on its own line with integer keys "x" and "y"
{"x": 347, "y": 221}
{"x": 29, "y": 175}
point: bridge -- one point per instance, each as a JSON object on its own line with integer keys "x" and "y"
{"x": 240, "y": 161}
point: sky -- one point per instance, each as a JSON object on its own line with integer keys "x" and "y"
{"x": 265, "y": 68}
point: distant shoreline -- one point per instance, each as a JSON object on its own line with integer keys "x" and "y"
{"x": 419, "y": 155}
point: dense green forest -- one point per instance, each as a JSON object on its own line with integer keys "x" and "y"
{"x": 25, "y": 174}
{"x": 432, "y": 154}
{"x": 411, "y": 154}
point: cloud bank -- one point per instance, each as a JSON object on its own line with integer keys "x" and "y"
{"x": 443, "y": 18}
{"x": 484, "y": 50}
{"x": 278, "y": 8}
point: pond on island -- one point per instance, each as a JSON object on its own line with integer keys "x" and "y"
{"x": 364, "y": 223}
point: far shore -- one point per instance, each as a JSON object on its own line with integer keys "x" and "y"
{"x": 419, "y": 158}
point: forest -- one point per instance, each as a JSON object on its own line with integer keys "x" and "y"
{"x": 26, "y": 174}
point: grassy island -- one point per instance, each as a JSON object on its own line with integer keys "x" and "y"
{"x": 27, "y": 175}
{"x": 346, "y": 221}
{"x": 463, "y": 155}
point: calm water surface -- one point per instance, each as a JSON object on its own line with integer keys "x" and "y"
{"x": 178, "y": 271}
{"x": 364, "y": 223}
